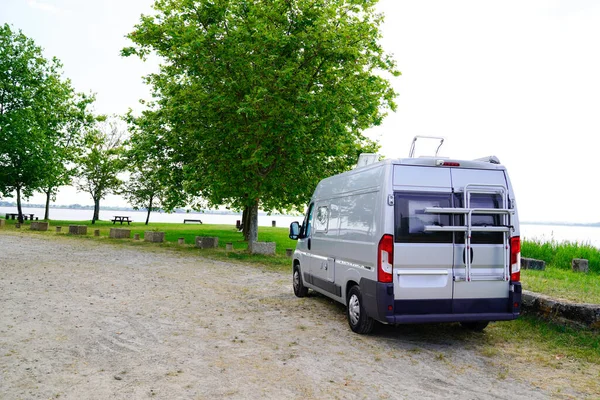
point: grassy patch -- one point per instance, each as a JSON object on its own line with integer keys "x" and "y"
{"x": 562, "y": 342}
{"x": 568, "y": 285}
{"x": 558, "y": 280}
{"x": 560, "y": 254}
{"x": 173, "y": 231}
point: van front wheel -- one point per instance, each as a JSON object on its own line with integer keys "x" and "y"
{"x": 299, "y": 289}
{"x": 358, "y": 319}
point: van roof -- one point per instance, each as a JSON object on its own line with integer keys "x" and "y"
{"x": 491, "y": 162}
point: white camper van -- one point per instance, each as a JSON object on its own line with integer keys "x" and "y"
{"x": 413, "y": 240}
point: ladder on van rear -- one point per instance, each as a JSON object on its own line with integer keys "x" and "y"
{"x": 506, "y": 227}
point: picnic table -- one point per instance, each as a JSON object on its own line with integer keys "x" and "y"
{"x": 16, "y": 215}
{"x": 192, "y": 220}
{"x": 121, "y": 219}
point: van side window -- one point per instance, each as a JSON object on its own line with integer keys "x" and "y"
{"x": 306, "y": 225}
{"x": 480, "y": 200}
{"x": 322, "y": 219}
{"x": 410, "y": 217}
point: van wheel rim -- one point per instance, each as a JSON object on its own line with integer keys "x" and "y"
{"x": 296, "y": 279}
{"x": 354, "y": 309}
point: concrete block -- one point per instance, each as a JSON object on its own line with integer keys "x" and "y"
{"x": 532, "y": 263}
{"x": 78, "y": 229}
{"x": 120, "y": 233}
{"x": 2, "y": 223}
{"x": 181, "y": 241}
{"x": 289, "y": 252}
{"x": 207, "y": 242}
{"x": 154, "y": 237}
{"x": 267, "y": 248}
{"x": 580, "y": 265}
{"x": 562, "y": 311}
{"x": 228, "y": 246}
{"x": 58, "y": 228}
{"x": 39, "y": 226}
{"x": 96, "y": 232}
{"x": 136, "y": 236}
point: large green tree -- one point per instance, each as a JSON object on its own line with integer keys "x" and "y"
{"x": 38, "y": 110}
{"x": 265, "y": 98}
{"x": 101, "y": 161}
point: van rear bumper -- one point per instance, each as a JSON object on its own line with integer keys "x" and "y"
{"x": 419, "y": 319}
{"x": 379, "y": 303}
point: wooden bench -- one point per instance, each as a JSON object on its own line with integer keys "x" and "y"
{"x": 192, "y": 220}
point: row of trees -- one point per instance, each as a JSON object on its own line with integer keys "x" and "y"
{"x": 48, "y": 133}
{"x": 254, "y": 103}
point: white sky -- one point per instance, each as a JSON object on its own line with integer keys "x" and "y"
{"x": 517, "y": 79}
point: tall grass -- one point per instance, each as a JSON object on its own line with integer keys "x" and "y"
{"x": 560, "y": 254}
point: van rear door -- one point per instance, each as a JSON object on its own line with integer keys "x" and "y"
{"x": 423, "y": 261}
{"x": 484, "y": 286}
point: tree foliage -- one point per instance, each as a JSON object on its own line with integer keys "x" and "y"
{"x": 155, "y": 177}
{"x": 265, "y": 98}
{"x": 39, "y": 113}
{"x": 101, "y": 161}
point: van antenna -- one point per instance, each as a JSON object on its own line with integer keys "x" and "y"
{"x": 412, "y": 146}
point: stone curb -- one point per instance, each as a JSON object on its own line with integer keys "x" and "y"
{"x": 562, "y": 311}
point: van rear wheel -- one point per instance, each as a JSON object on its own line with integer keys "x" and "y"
{"x": 358, "y": 319}
{"x": 477, "y": 326}
{"x": 299, "y": 289}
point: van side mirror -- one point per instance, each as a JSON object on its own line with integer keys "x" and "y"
{"x": 294, "y": 230}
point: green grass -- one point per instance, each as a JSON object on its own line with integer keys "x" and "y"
{"x": 559, "y": 283}
{"x": 571, "y": 342}
{"x": 560, "y": 254}
{"x": 174, "y": 231}
{"x": 558, "y": 280}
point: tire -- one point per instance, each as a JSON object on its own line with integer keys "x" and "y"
{"x": 358, "y": 319}
{"x": 477, "y": 326}
{"x": 299, "y": 289}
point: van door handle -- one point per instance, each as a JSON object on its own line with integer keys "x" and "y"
{"x": 309, "y": 243}
{"x": 471, "y": 255}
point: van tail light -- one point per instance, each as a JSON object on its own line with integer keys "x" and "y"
{"x": 385, "y": 259}
{"x": 515, "y": 259}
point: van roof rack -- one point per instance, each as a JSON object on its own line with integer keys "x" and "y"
{"x": 489, "y": 159}
{"x": 412, "y": 146}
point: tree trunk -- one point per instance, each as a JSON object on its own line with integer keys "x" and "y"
{"x": 96, "y": 210}
{"x": 149, "y": 210}
{"x": 245, "y": 223}
{"x": 47, "y": 209}
{"x": 19, "y": 209}
{"x": 252, "y": 225}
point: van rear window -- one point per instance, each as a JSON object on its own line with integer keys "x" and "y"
{"x": 410, "y": 217}
{"x": 479, "y": 200}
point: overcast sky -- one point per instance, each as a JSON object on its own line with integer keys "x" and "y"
{"x": 516, "y": 79}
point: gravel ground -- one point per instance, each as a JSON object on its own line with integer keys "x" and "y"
{"x": 85, "y": 319}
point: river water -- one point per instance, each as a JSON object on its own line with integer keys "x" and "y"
{"x": 581, "y": 234}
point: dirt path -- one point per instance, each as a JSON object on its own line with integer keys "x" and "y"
{"x": 83, "y": 319}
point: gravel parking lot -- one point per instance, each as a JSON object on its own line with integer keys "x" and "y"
{"x": 86, "y": 319}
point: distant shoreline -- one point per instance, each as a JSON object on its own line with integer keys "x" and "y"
{"x": 91, "y": 208}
